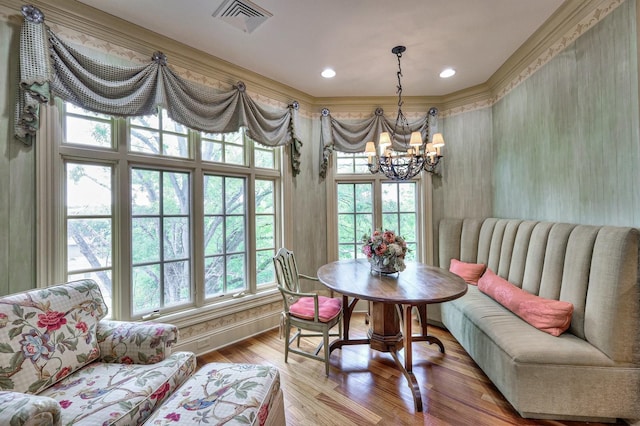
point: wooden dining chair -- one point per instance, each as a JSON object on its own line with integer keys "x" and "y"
{"x": 308, "y": 311}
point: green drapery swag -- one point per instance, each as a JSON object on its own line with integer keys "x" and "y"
{"x": 49, "y": 67}
{"x": 352, "y": 135}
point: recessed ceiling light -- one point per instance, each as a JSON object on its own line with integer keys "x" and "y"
{"x": 448, "y": 72}
{"x": 328, "y": 73}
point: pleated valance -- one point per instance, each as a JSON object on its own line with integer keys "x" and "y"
{"x": 352, "y": 135}
{"x": 50, "y": 67}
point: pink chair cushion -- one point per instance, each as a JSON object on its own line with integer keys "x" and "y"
{"x": 470, "y": 272}
{"x": 550, "y": 316}
{"x": 328, "y": 308}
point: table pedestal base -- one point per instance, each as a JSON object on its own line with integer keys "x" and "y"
{"x": 391, "y": 331}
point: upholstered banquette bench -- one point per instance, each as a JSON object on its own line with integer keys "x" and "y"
{"x": 591, "y": 370}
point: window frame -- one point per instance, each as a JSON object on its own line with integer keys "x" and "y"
{"x": 51, "y": 154}
{"x": 424, "y": 226}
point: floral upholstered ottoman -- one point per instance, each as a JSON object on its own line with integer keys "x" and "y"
{"x": 225, "y": 394}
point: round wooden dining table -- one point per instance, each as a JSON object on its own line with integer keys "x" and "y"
{"x": 392, "y": 300}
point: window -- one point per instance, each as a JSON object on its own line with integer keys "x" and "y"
{"x": 162, "y": 217}
{"x": 366, "y": 202}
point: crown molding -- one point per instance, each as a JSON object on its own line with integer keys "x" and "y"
{"x": 571, "y": 20}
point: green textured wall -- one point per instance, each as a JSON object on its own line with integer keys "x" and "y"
{"x": 17, "y": 185}
{"x": 464, "y": 187}
{"x": 566, "y": 144}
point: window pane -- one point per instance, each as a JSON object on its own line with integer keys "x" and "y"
{"x": 212, "y": 151}
{"x": 265, "y": 232}
{"x": 175, "y": 146}
{"x": 355, "y": 217}
{"x": 389, "y": 197}
{"x": 177, "y": 279}
{"x": 88, "y": 190}
{"x": 346, "y": 224}
{"x": 364, "y": 200}
{"x": 83, "y": 131}
{"x": 214, "y": 235}
{"x": 145, "y": 233}
{"x": 234, "y": 154}
{"x": 146, "y": 288}
{"x": 264, "y": 158}
{"x": 235, "y": 234}
{"x": 175, "y": 192}
{"x": 345, "y": 165}
{"x": 390, "y": 221}
{"x": 213, "y": 195}
{"x": 346, "y": 198}
{"x": 235, "y": 272}
{"x": 176, "y": 237}
{"x": 214, "y": 276}
{"x": 264, "y": 266}
{"x": 145, "y": 141}
{"x": 264, "y": 196}
{"x": 408, "y": 226}
{"x": 88, "y": 244}
{"x": 346, "y": 251}
{"x": 407, "y": 197}
{"x": 145, "y": 192}
{"x": 234, "y": 195}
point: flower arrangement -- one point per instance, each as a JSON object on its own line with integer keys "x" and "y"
{"x": 385, "y": 251}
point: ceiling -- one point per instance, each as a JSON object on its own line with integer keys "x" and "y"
{"x": 354, "y": 37}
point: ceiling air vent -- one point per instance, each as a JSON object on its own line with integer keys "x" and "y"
{"x": 242, "y": 14}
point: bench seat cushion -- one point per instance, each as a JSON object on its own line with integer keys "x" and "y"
{"x": 520, "y": 341}
{"x": 223, "y": 393}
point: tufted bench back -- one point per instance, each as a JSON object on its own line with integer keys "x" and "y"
{"x": 594, "y": 267}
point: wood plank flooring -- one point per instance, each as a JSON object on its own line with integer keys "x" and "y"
{"x": 364, "y": 386}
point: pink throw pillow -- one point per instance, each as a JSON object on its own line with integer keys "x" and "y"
{"x": 550, "y": 316}
{"x": 470, "y": 272}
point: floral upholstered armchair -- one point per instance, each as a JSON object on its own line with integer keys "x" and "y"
{"x": 62, "y": 363}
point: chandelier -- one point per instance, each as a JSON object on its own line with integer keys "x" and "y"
{"x": 419, "y": 155}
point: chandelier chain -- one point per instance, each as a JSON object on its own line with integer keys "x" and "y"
{"x": 400, "y": 119}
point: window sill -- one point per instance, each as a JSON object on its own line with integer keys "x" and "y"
{"x": 192, "y": 316}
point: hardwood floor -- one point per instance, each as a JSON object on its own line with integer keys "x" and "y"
{"x": 364, "y": 386}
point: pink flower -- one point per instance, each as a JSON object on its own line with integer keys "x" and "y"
{"x": 375, "y": 233}
{"x": 381, "y": 249}
{"x": 65, "y": 403}
{"x": 263, "y": 414}
{"x": 174, "y": 417}
{"x": 63, "y": 373}
{"x": 389, "y": 237}
{"x": 3, "y": 320}
{"x": 126, "y": 360}
{"x": 367, "y": 250}
{"x": 82, "y": 326}
{"x": 51, "y": 320}
{"x": 161, "y": 392}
